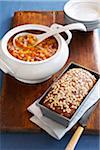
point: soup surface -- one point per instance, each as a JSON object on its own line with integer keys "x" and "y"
{"x": 23, "y": 48}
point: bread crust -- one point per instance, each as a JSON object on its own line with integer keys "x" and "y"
{"x": 69, "y": 91}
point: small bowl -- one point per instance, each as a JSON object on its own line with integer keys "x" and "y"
{"x": 33, "y": 72}
{"x": 84, "y": 12}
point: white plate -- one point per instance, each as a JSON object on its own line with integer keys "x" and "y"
{"x": 89, "y": 26}
{"x": 83, "y": 11}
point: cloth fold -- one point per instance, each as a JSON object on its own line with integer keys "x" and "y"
{"x": 55, "y": 129}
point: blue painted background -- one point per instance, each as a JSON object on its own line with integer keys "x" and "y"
{"x": 8, "y": 7}
{"x": 35, "y": 141}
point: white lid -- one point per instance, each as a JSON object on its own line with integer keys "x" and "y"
{"x": 82, "y": 10}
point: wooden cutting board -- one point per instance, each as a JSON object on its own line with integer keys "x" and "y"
{"x": 17, "y": 96}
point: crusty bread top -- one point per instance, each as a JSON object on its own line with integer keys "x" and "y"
{"x": 69, "y": 91}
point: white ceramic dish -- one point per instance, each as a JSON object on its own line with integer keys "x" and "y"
{"x": 83, "y": 11}
{"x": 33, "y": 72}
{"x": 89, "y": 26}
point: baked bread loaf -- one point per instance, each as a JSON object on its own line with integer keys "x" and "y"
{"x": 69, "y": 91}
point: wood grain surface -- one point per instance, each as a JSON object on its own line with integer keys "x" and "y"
{"x": 17, "y": 96}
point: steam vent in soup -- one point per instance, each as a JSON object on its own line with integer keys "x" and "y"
{"x": 23, "y": 47}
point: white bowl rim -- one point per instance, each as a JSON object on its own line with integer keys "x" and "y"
{"x": 20, "y": 28}
{"x": 84, "y": 22}
{"x": 70, "y": 3}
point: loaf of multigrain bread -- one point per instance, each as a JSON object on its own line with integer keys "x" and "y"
{"x": 69, "y": 91}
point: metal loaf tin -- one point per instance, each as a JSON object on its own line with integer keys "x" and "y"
{"x": 55, "y": 116}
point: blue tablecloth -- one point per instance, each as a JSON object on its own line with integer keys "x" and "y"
{"x": 35, "y": 141}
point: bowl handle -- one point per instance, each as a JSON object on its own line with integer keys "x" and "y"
{"x": 3, "y": 65}
{"x": 69, "y": 34}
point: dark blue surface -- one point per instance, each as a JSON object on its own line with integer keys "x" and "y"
{"x": 35, "y": 141}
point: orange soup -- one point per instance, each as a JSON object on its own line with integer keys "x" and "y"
{"x": 24, "y": 48}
